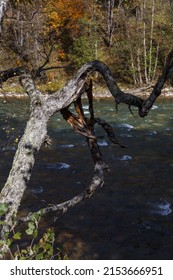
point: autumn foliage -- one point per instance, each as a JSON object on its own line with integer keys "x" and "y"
{"x": 135, "y": 35}
{"x": 65, "y": 14}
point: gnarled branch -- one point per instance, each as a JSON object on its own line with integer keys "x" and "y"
{"x": 43, "y": 106}
{"x": 97, "y": 181}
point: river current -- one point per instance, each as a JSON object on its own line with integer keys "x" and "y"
{"x": 131, "y": 216}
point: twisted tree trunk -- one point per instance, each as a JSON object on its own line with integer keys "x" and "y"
{"x": 42, "y": 107}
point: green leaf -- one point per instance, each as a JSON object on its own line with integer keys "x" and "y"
{"x": 24, "y": 252}
{"x": 3, "y": 208}
{"x": 9, "y": 242}
{"x": 29, "y": 231}
{"x": 35, "y": 233}
{"x": 1, "y": 242}
{"x": 35, "y": 216}
{"x": 39, "y": 256}
{"x": 17, "y": 236}
{"x": 31, "y": 225}
{"x": 65, "y": 257}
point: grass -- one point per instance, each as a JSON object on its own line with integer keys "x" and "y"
{"x": 51, "y": 86}
{"x": 16, "y": 88}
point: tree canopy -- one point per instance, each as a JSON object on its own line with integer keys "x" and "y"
{"x": 136, "y": 35}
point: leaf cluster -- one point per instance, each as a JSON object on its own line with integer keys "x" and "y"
{"x": 40, "y": 247}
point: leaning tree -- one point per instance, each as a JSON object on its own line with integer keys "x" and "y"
{"x": 42, "y": 108}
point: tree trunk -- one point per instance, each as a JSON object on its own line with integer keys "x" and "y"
{"x": 110, "y": 21}
{"x": 155, "y": 64}
{"x": 33, "y": 137}
{"x": 139, "y": 67}
{"x": 151, "y": 42}
{"x": 3, "y": 7}
{"x": 144, "y": 41}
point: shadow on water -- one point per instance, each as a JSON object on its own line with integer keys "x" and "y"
{"x": 130, "y": 217}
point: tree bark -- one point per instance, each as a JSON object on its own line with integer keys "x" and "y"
{"x": 151, "y": 41}
{"x": 110, "y": 21}
{"x": 3, "y": 7}
{"x": 144, "y": 41}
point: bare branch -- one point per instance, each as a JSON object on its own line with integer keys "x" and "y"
{"x": 12, "y": 72}
{"x": 75, "y": 86}
{"x": 108, "y": 129}
{"x": 52, "y": 68}
{"x": 60, "y": 209}
{"x": 47, "y": 57}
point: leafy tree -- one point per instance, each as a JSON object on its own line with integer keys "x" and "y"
{"x": 63, "y": 20}
{"x": 83, "y": 50}
{"x": 65, "y": 14}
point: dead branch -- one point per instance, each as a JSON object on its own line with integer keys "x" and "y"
{"x": 108, "y": 129}
{"x": 12, "y": 72}
{"x": 97, "y": 181}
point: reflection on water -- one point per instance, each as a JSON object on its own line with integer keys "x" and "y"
{"x": 130, "y": 217}
{"x": 162, "y": 208}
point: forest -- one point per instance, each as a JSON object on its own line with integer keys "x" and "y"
{"x": 56, "y": 52}
{"x": 132, "y": 37}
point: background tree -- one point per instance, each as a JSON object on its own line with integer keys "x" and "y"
{"x": 3, "y": 7}
{"x": 134, "y": 34}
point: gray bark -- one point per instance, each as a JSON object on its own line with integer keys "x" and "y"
{"x": 151, "y": 41}
{"x": 3, "y": 7}
{"x": 144, "y": 40}
{"x": 110, "y": 20}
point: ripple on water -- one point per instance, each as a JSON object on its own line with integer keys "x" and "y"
{"x": 37, "y": 190}
{"x": 151, "y": 133}
{"x": 126, "y": 125}
{"x": 86, "y": 107}
{"x": 125, "y": 157}
{"x": 154, "y": 107}
{"x": 86, "y": 112}
{"x": 67, "y": 146}
{"x": 103, "y": 143}
{"x": 8, "y": 149}
{"x": 162, "y": 208}
{"x": 56, "y": 166}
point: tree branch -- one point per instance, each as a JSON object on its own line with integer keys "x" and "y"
{"x": 97, "y": 181}
{"x": 166, "y": 72}
{"x": 108, "y": 129}
{"x": 10, "y": 73}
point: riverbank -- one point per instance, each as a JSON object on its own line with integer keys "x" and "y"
{"x": 98, "y": 93}
{"x": 144, "y": 92}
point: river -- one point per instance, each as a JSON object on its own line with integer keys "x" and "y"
{"x": 131, "y": 216}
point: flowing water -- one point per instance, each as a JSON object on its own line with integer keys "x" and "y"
{"x": 131, "y": 216}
